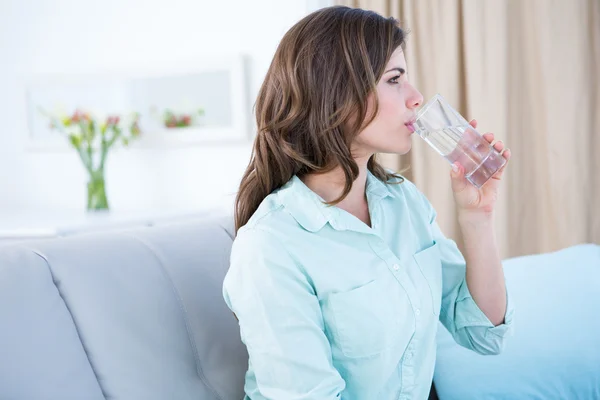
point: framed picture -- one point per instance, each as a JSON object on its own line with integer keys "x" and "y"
{"x": 198, "y": 102}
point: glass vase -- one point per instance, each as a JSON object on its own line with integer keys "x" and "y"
{"x": 96, "y": 192}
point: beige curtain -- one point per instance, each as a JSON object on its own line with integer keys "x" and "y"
{"x": 529, "y": 71}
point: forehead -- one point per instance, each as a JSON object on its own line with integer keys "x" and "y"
{"x": 397, "y": 59}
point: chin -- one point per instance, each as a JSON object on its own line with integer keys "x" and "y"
{"x": 402, "y": 147}
{"x": 389, "y": 143}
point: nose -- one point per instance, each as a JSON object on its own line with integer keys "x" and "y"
{"x": 414, "y": 99}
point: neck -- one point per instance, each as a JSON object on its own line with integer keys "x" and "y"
{"x": 330, "y": 185}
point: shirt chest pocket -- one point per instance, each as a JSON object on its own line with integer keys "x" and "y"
{"x": 368, "y": 320}
{"x": 429, "y": 263}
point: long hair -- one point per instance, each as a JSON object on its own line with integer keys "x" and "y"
{"x": 313, "y": 101}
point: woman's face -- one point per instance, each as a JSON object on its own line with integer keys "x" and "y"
{"x": 391, "y": 130}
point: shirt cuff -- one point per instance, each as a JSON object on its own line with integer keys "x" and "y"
{"x": 469, "y": 314}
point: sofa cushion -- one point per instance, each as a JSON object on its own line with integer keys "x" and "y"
{"x": 41, "y": 356}
{"x": 555, "y": 350}
{"x": 136, "y": 314}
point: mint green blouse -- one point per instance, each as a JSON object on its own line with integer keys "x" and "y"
{"x": 330, "y": 308}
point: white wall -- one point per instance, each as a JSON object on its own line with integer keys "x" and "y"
{"x": 78, "y": 36}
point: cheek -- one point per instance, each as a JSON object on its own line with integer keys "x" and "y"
{"x": 390, "y": 107}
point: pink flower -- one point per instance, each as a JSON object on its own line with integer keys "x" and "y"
{"x": 112, "y": 120}
{"x": 77, "y": 116}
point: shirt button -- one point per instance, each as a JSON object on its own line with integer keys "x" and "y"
{"x": 417, "y": 312}
{"x": 409, "y": 356}
{"x": 396, "y": 267}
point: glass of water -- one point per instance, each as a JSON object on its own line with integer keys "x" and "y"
{"x": 444, "y": 129}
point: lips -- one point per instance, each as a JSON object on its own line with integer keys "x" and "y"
{"x": 410, "y": 125}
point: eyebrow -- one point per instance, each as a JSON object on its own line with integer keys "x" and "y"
{"x": 400, "y": 70}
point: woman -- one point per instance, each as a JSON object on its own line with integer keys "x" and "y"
{"x": 339, "y": 271}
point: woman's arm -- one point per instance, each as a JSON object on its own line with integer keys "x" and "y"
{"x": 485, "y": 276}
{"x": 481, "y": 291}
{"x": 460, "y": 312}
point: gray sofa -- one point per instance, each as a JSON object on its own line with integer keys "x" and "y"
{"x": 138, "y": 314}
{"x": 125, "y": 315}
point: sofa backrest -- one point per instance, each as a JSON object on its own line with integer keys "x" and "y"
{"x": 126, "y": 315}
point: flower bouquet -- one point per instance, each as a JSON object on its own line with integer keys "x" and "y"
{"x": 93, "y": 137}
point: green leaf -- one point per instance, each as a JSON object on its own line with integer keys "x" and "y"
{"x": 75, "y": 141}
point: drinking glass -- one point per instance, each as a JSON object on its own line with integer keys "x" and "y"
{"x": 444, "y": 129}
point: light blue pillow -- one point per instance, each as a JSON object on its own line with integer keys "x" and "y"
{"x": 554, "y": 352}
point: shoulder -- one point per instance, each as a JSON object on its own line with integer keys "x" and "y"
{"x": 271, "y": 219}
{"x": 261, "y": 253}
{"x": 270, "y": 233}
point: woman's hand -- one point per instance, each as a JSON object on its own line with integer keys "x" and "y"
{"x": 470, "y": 200}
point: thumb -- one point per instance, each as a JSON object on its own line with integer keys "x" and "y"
{"x": 458, "y": 179}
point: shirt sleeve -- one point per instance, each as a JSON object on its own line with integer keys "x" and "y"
{"x": 459, "y": 313}
{"x": 280, "y": 321}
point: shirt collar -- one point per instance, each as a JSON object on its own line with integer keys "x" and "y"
{"x": 309, "y": 209}
{"x": 376, "y": 189}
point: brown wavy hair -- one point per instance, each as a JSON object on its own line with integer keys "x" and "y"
{"x": 313, "y": 101}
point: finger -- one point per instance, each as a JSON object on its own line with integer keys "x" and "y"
{"x": 499, "y": 146}
{"x": 498, "y": 175}
{"x": 458, "y": 179}
{"x": 489, "y": 137}
{"x": 473, "y": 123}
